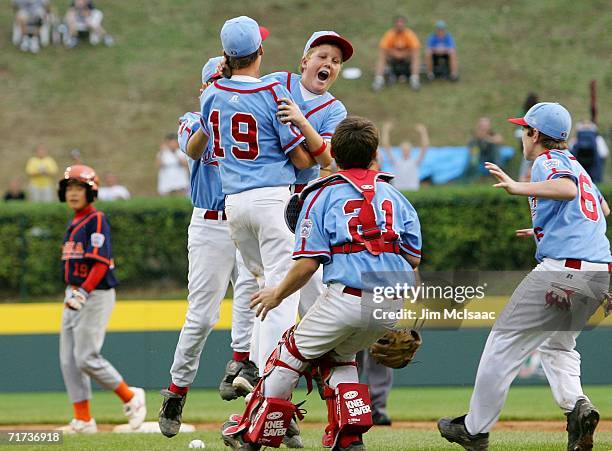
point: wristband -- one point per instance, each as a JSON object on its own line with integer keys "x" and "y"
{"x": 320, "y": 150}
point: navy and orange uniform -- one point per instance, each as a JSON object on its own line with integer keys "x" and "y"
{"x": 87, "y": 251}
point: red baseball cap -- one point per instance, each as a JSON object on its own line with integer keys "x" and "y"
{"x": 330, "y": 37}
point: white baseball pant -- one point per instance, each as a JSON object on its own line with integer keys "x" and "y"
{"x": 523, "y": 327}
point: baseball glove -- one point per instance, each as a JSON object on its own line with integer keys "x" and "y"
{"x": 292, "y": 211}
{"x": 396, "y": 348}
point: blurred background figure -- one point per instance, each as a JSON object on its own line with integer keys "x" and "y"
{"x": 84, "y": 20}
{"x": 111, "y": 190}
{"x": 525, "y": 168}
{"x": 42, "y": 171}
{"x": 173, "y": 176}
{"x": 484, "y": 146}
{"x": 75, "y": 157}
{"x": 14, "y": 191}
{"x": 441, "y": 54}
{"x": 398, "y": 56}
{"x": 406, "y": 166}
{"x": 32, "y": 24}
{"x": 590, "y": 149}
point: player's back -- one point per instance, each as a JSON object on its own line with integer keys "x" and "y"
{"x": 574, "y": 229}
{"x": 248, "y": 140}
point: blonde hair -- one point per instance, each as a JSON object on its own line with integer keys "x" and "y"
{"x": 311, "y": 50}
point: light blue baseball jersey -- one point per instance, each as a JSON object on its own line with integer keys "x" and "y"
{"x": 324, "y": 113}
{"x": 573, "y": 229}
{"x": 248, "y": 140}
{"x": 205, "y": 178}
{"x": 329, "y": 218}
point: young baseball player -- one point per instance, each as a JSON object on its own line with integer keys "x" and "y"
{"x": 209, "y": 245}
{"x": 315, "y": 112}
{"x": 352, "y": 222}
{"x": 257, "y": 156}
{"x": 87, "y": 264}
{"x": 554, "y": 302}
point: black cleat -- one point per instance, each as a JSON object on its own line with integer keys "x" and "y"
{"x": 454, "y": 431}
{"x": 247, "y": 378}
{"x": 170, "y": 413}
{"x": 226, "y": 390}
{"x": 381, "y": 418}
{"x": 355, "y": 446}
{"x": 581, "y": 424}
{"x": 292, "y": 437}
{"x": 235, "y": 441}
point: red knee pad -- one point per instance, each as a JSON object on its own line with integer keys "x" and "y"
{"x": 269, "y": 423}
{"x": 353, "y": 408}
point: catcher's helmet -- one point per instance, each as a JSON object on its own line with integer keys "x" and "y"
{"x": 82, "y": 174}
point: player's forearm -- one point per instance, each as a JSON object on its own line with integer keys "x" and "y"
{"x": 557, "y": 189}
{"x": 300, "y": 273}
{"x": 314, "y": 141}
{"x": 196, "y": 144}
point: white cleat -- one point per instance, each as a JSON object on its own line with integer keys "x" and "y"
{"x": 136, "y": 408}
{"x": 79, "y": 427}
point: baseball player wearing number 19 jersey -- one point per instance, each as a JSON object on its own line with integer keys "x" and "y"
{"x": 553, "y": 303}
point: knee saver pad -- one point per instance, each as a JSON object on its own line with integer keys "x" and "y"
{"x": 269, "y": 422}
{"x": 353, "y": 408}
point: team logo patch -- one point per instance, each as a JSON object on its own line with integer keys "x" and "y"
{"x": 351, "y": 394}
{"x": 274, "y": 415}
{"x": 552, "y": 163}
{"x": 97, "y": 240}
{"x": 305, "y": 228}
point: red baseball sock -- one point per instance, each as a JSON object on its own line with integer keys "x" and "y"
{"x": 81, "y": 410}
{"x": 124, "y": 392}
{"x": 241, "y": 356}
{"x": 182, "y": 391}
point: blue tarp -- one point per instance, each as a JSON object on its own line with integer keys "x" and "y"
{"x": 442, "y": 164}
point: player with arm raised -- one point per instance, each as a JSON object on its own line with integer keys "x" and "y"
{"x": 213, "y": 263}
{"x": 552, "y": 305}
{"x": 257, "y": 155}
{"x": 352, "y": 223}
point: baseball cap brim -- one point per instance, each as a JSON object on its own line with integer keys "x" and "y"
{"x": 264, "y": 32}
{"x": 519, "y": 121}
{"x": 345, "y": 46}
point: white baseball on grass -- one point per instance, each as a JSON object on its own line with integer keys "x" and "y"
{"x": 197, "y": 444}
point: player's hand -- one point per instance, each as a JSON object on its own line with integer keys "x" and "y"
{"x": 76, "y": 299}
{"x": 264, "y": 300}
{"x": 289, "y": 112}
{"x": 524, "y": 233}
{"x": 505, "y": 181}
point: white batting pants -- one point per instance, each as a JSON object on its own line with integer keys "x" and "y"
{"x": 311, "y": 292}
{"x": 523, "y": 327}
{"x": 257, "y": 226}
{"x": 213, "y": 264}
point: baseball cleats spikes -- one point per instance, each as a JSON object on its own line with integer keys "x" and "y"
{"x": 581, "y": 424}
{"x": 226, "y": 389}
{"x": 247, "y": 378}
{"x": 234, "y": 440}
{"x": 454, "y": 431}
{"x": 136, "y": 408}
{"x": 170, "y": 413}
{"x": 292, "y": 437}
{"x": 79, "y": 427}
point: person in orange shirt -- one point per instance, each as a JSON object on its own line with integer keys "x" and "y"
{"x": 398, "y": 56}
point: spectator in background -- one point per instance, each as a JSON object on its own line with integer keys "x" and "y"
{"x": 84, "y": 17}
{"x": 173, "y": 177}
{"x": 525, "y": 168}
{"x": 75, "y": 157}
{"x": 111, "y": 190}
{"x": 14, "y": 191}
{"x": 405, "y": 168}
{"x": 441, "y": 54}
{"x": 30, "y": 16}
{"x": 484, "y": 146}
{"x": 398, "y": 56}
{"x": 42, "y": 170}
{"x": 590, "y": 149}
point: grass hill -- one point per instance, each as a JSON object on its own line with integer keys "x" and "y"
{"x": 116, "y": 104}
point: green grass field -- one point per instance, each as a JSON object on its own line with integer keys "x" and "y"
{"x": 405, "y": 404}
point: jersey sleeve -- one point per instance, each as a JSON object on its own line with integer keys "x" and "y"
{"x": 98, "y": 245}
{"x": 311, "y": 240}
{"x": 431, "y": 41}
{"x": 189, "y": 123}
{"x": 290, "y": 136}
{"x": 386, "y": 42}
{"x": 336, "y": 115}
{"x": 450, "y": 41}
{"x": 411, "y": 231}
{"x": 205, "y": 103}
{"x": 550, "y": 166}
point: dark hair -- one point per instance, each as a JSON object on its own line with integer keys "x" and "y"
{"x": 547, "y": 142}
{"x": 530, "y": 100}
{"x": 355, "y": 142}
{"x": 232, "y": 63}
{"x": 399, "y": 17}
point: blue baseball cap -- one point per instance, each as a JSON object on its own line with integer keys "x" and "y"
{"x": 211, "y": 69}
{"x": 242, "y": 36}
{"x": 549, "y": 118}
{"x": 441, "y": 25}
{"x": 330, "y": 37}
